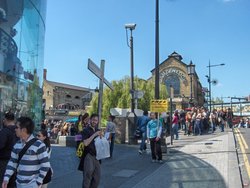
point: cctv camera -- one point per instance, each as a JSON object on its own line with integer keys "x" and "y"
{"x": 130, "y": 26}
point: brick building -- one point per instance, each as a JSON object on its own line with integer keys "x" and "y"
{"x": 174, "y": 72}
{"x": 64, "y": 96}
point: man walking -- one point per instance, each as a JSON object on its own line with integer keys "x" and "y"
{"x": 91, "y": 166}
{"x": 142, "y": 125}
{"x": 34, "y": 164}
{"x": 7, "y": 140}
{"x": 229, "y": 117}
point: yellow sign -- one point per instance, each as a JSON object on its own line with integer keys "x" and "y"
{"x": 158, "y": 105}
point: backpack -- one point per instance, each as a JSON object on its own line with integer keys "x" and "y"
{"x": 80, "y": 150}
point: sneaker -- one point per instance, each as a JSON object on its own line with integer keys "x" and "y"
{"x": 153, "y": 161}
{"x": 140, "y": 152}
{"x": 160, "y": 161}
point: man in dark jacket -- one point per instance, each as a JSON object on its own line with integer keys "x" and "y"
{"x": 7, "y": 140}
{"x": 91, "y": 167}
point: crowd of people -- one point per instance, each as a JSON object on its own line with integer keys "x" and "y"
{"x": 24, "y": 156}
{"x": 17, "y": 139}
{"x": 192, "y": 121}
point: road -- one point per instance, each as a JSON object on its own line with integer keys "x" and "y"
{"x": 243, "y": 142}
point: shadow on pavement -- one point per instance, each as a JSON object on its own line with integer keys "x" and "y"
{"x": 129, "y": 169}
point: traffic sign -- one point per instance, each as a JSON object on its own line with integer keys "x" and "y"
{"x": 158, "y": 105}
{"x": 98, "y": 72}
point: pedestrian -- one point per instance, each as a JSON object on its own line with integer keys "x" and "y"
{"x": 43, "y": 136}
{"x": 142, "y": 126}
{"x": 90, "y": 165}
{"x": 82, "y": 122}
{"x": 7, "y": 140}
{"x": 229, "y": 117}
{"x": 34, "y": 164}
{"x": 189, "y": 122}
{"x": 110, "y": 131}
{"x": 154, "y": 129}
{"x": 198, "y": 124}
{"x": 175, "y": 125}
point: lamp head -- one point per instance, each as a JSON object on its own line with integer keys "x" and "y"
{"x": 130, "y": 26}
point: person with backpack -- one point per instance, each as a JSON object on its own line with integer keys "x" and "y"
{"x": 142, "y": 126}
{"x": 88, "y": 163}
{"x": 7, "y": 140}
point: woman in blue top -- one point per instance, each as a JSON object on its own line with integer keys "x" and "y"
{"x": 154, "y": 129}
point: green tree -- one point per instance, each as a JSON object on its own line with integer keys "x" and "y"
{"x": 120, "y": 97}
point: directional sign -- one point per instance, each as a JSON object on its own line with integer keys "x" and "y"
{"x": 158, "y": 105}
{"x": 98, "y": 72}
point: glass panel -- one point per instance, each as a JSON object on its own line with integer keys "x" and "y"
{"x": 21, "y": 61}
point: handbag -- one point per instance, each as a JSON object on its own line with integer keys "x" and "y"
{"x": 20, "y": 155}
{"x": 80, "y": 150}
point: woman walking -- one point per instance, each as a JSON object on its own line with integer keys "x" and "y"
{"x": 154, "y": 129}
{"x": 43, "y": 136}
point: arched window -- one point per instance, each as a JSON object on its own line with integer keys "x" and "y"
{"x": 173, "y": 79}
{"x": 68, "y": 96}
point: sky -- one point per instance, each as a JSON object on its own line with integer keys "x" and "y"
{"x": 199, "y": 30}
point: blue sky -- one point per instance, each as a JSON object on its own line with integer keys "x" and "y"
{"x": 199, "y": 30}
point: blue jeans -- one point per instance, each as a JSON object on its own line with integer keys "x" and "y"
{"x": 197, "y": 127}
{"x": 222, "y": 127}
{"x": 175, "y": 130}
{"x": 112, "y": 143}
{"x": 143, "y": 139}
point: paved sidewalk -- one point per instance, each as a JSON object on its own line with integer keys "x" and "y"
{"x": 208, "y": 163}
{"x": 194, "y": 161}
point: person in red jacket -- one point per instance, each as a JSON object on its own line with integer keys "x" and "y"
{"x": 175, "y": 125}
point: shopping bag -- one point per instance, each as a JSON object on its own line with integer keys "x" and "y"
{"x": 102, "y": 148}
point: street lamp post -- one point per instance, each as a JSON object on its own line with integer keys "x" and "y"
{"x": 191, "y": 71}
{"x": 131, "y": 27}
{"x": 157, "y": 84}
{"x": 210, "y": 81}
{"x": 131, "y": 124}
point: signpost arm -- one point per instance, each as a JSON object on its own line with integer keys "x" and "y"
{"x": 100, "y": 93}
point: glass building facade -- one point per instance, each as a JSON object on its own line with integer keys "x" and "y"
{"x": 22, "y": 33}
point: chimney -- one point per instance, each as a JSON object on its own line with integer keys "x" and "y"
{"x": 45, "y": 74}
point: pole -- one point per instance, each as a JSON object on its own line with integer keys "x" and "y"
{"x": 132, "y": 72}
{"x": 171, "y": 114}
{"x": 210, "y": 92}
{"x": 240, "y": 108}
{"x": 231, "y": 103}
{"x": 191, "y": 92}
{"x": 100, "y": 93}
{"x": 222, "y": 103}
{"x": 157, "y": 87}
